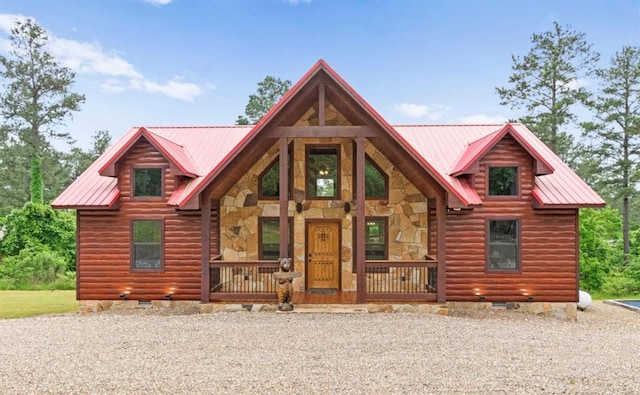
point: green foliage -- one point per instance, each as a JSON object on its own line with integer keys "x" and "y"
{"x": 35, "y": 99}
{"x": 37, "y": 226}
{"x": 619, "y": 284}
{"x": 599, "y": 244}
{"x": 270, "y": 91}
{"x": 78, "y": 160}
{"x": 35, "y": 266}
{"x": 545, "y": 82}
{"x": 615, "y": 133}
{"x": 37, "y": 185}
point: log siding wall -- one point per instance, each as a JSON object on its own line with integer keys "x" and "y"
{"x": 548, "y": 242}
{"x": 104, "y": 261}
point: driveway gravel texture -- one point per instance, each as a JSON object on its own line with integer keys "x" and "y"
{"x": 177, "y": 351}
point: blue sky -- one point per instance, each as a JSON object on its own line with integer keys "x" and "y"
{"x": 179, "y": 62}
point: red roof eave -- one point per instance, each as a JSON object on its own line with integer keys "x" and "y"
{"x": 168, "y": 149}
{"x": 446, "y": 184}
{"x": 477, "y": 149}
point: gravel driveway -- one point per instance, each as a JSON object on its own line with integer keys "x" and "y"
{"x": 161, "y": 351}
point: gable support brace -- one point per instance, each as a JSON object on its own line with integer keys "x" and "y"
{"x": 321, "y": 104}
{"x": 441, "y": 218}
{"x": 360, "y": 231}
{"x": 284, "y": 198}
{"x": 205, "y": 243}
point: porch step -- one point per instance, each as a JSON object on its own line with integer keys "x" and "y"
{"x": 330, "y": 309}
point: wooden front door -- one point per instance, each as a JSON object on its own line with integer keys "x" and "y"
{"x": 323, "y": 255}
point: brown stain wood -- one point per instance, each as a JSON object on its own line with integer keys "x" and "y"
{"x": 104, "y": 261}
{"x": 548, "y": 243}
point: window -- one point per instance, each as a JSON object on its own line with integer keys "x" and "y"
{"x": 269, "y": 239}
{"x": 269, "y": 179}
{"x": 375, "y": 239}
{"x": 375, "y": 243}
{"x": 504, "y": 244}
{"x": 323, "y": 175}
{"x": 375, "y": 180}
{"x": 147, "y": 182}
{"x": 503, "y": 181}
{"x": 147, "y": 244}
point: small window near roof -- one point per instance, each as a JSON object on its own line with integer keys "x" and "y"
{"x": 147, "y": 182}
{"x": 503, "y": 181}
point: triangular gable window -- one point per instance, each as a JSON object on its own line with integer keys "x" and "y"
{"x": 269, "y": 179}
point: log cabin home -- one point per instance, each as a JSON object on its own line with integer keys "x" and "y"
{"x": 369, "y": 212}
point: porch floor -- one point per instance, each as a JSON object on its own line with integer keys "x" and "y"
{"x": 308, "y": 297}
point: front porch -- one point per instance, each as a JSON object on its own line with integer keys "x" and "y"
{"x": 385, "y": 281}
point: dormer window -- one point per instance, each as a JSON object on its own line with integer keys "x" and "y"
{"x": 147, "y": 182}
{"x": 503, "y": 181}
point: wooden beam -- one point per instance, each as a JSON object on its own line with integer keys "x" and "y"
{"x": 322, "y": 131}
{"x": 205, "y": 243}
{"x": 321, "y": 104}
{"x": 441, "y": 218}
{"x": 284, "y": 197}
{"x": 360, "y": 223}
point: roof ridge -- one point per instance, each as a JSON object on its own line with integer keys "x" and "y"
{"x": 453, "y": 124}
{"x": 195, "y": 127}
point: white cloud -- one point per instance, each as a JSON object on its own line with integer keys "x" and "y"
{"x": 88, "y": 58}
{"x": 481, "y": 119}
{"x": 92, "y": 59}
{"x": 421, "y": 110}
{"x": 578, "y": 83}
{"x": 157, "y": 2}
{"x": 112, "y": 85}
{"x": 185, "y": 91}
{"x": 7, "y": 21}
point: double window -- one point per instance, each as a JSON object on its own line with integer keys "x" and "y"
{"x": 147, "y": 244}
{"x": 503, "y": 244}
{"x": 147, "y": 182}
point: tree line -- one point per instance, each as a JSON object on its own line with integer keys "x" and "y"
{"x": 554, "y": 84}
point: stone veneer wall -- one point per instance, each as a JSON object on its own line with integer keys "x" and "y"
{"x": 406, "y": 207}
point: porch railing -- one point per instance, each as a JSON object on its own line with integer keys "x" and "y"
{"x": 385, "y": 280}
{"x": 401, "y": 280}
{"x": 247, "y": 280}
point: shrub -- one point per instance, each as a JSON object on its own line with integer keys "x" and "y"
{"x": 33, "y": 265}
{"x": 39, "y": 225}
{"x": 620, "y": 285}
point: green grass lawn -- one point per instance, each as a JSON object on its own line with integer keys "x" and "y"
{"x": 17, "y": 304}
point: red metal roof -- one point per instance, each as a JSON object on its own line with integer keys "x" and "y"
{"x": 477, "y": 149}
{"x": 445, "y": 145}
{"x": 203, "y": 152}
{"x": 205, "y": 148}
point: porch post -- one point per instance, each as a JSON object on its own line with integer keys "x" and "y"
{"x": 359, "y": 242}
{"x": 205, "y": 243}
{"x": 284, "y": 198}
{"x": 441, "y": 217}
